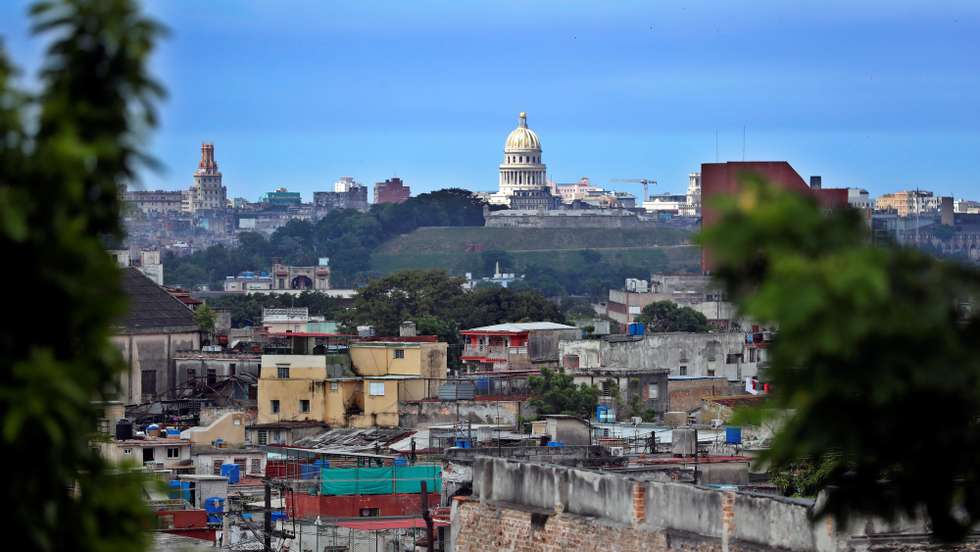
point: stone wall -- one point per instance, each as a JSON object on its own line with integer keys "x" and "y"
{"x": 604, "y": 218}
{"x": 529, "y": 506}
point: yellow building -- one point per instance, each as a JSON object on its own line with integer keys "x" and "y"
{"x": 386, "y": 374}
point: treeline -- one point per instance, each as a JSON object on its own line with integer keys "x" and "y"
{"x": 347, "y": 237}
{"x": 588, "y": 277}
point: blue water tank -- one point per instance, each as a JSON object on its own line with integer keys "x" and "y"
{"x": 174, "y": 489}
{"x": 279, "y": 516}
{"x": 173, "y": 432}
{"x": 152, "y": 427}
{"x": 232, "y": 472}
{"x": 555, "y": 444}
{"x": 464, "y": 443}
{"x": 401, "y": 461}
{"x": 214, "y": 506}
{"x": 636, "y": 328}
{"x": 733, "y": 435}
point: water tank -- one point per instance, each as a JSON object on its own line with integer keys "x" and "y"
{"x": 733, "y": 435}
{"x": 214, "y": 506}
{"x": 636, "y": 328}
{"x": 401, "y": 461}
{"x": 232, "y": 472}
{"x": 124, "y": 429}
{"x": 684, "y": 441}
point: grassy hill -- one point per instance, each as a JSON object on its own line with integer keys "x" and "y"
{"x": 458, "y": 249}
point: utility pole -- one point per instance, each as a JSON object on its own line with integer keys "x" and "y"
{"x": 268, "y": 517}
{"x": 427, "y": 517}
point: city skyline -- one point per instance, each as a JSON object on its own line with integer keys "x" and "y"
{"x": 867, "y": 96}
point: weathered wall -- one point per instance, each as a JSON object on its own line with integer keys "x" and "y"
{"x": 685, "y": 395}
{"x": 152, "y": 353}
{"x": 690, "y": 354}
{"x": 527, "y": 506}
{"x": 481, "y": 412}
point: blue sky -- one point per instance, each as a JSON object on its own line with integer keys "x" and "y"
{"x": 881, "y": 95}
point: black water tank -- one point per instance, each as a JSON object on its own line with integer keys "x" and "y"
{"x": 124, "y": 429}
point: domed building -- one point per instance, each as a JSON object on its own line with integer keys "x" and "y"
{"x": 522, "y": 168}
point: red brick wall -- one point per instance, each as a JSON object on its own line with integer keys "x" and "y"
{"x": 489, "y": 528}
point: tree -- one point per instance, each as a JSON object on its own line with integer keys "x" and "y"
{"x": 666, "y": 316}
{"x": 64, "y": 155}
{"x": 387, "y": 302}
{"x": 205, "y": 318}
{"x": 876, "y": 364}
{"x": 555, "y": 393}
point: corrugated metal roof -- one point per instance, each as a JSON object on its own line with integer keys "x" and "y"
{"x": 518, "y": 327}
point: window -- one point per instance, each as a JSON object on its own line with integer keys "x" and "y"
{"x": 653, "y": 392}
{"x": 191, "y": 374}
{"x": 149, "y": 382}
{"x": 256, "y": 466}
{"x": 711, "y": 371}
{"x": 370, "y": 512}
{"x": 733, "y": 358}
{"x": 263, "y": 437}
{"x": 240, "y": 462}
{"x": 376, "y": 389}
{"x": 282, "y": 371}
{"x": 304, "y": 405}
{"x": 173, "y": 452}
{"x": 216, "y": 467}
{"x": 148, "y": 454}
{"x": 274, "y": 404}
{"x": 231, "y": 369}
{"x": 334, "y": 386}
{"x": 212, "y": 376}
{"x": 127, "y": 451}
{"x": 399, "y": 353}
{"x": 683, "y": 370}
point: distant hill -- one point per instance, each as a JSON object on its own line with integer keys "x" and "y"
{"x": 458, "y": 249}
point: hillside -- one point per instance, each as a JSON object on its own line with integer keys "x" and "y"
{"x": 458, "y": 249}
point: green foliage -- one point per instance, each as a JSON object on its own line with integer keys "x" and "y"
{"x": 438, "y": 305}
{"x": 347, "y": 237}
{"x": 877, "y": 360}
{"x": 805, "y": 479}
{"x": 205, "y": 318}
{"x": 666, "y": 316}
{"x": 555, "y": 393}
{"x": 64, "y": 154}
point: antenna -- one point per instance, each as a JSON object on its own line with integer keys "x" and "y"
{"x": 716, "y": 145}
{"x": 743, "y": 143}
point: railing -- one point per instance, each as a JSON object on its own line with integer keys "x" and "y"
{"x": 493, "y": 352}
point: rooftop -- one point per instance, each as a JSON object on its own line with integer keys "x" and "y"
{"x": 152, "y": 308}
{"x": 518, "y": 327}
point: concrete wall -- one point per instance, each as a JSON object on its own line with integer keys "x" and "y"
{"x": 483, "y": 412}
{"x": 151, "y": 352}
{"x": 685, "y": 395}
{"x": 307, "y": 381}
{"x": 527, "y": 506}
{"x": 229, "y": 428}
{"x": 691, "y": 354}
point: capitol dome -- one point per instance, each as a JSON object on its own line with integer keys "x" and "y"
{"x": 522, "y": 138}
{"x": 522, "y": 168}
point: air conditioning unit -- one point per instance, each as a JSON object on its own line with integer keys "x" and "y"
{"x": 636, "y": 420}
{"x": 716, "y": 422}
{"x": 616, "y": 451}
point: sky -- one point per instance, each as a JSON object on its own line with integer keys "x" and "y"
{"x": 872, "y": 94}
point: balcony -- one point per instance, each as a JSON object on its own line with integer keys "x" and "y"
{"x": 493, "y": 352}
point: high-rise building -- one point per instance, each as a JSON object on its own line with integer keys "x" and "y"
{"x": 344, "y": 184}
{"x": 208, "y": 192}
{"x": 522, "y": 168}
{"x": 392, "y": 190}
{"x": 908, "y": 202}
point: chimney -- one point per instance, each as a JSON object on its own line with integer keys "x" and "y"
{"x": 407, "y": 329}
{"x": 946, "y": 217}
{"x": 816, "y": 182}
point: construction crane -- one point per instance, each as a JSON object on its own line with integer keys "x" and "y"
{"x": 644, "y": 181}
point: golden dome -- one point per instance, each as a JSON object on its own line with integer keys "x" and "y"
{"x": 522, "y": 138}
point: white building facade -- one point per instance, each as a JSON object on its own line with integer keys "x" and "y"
{"x": 208, "y": 192}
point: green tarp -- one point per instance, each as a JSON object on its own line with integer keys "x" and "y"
{"x": 384, "y": 480}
